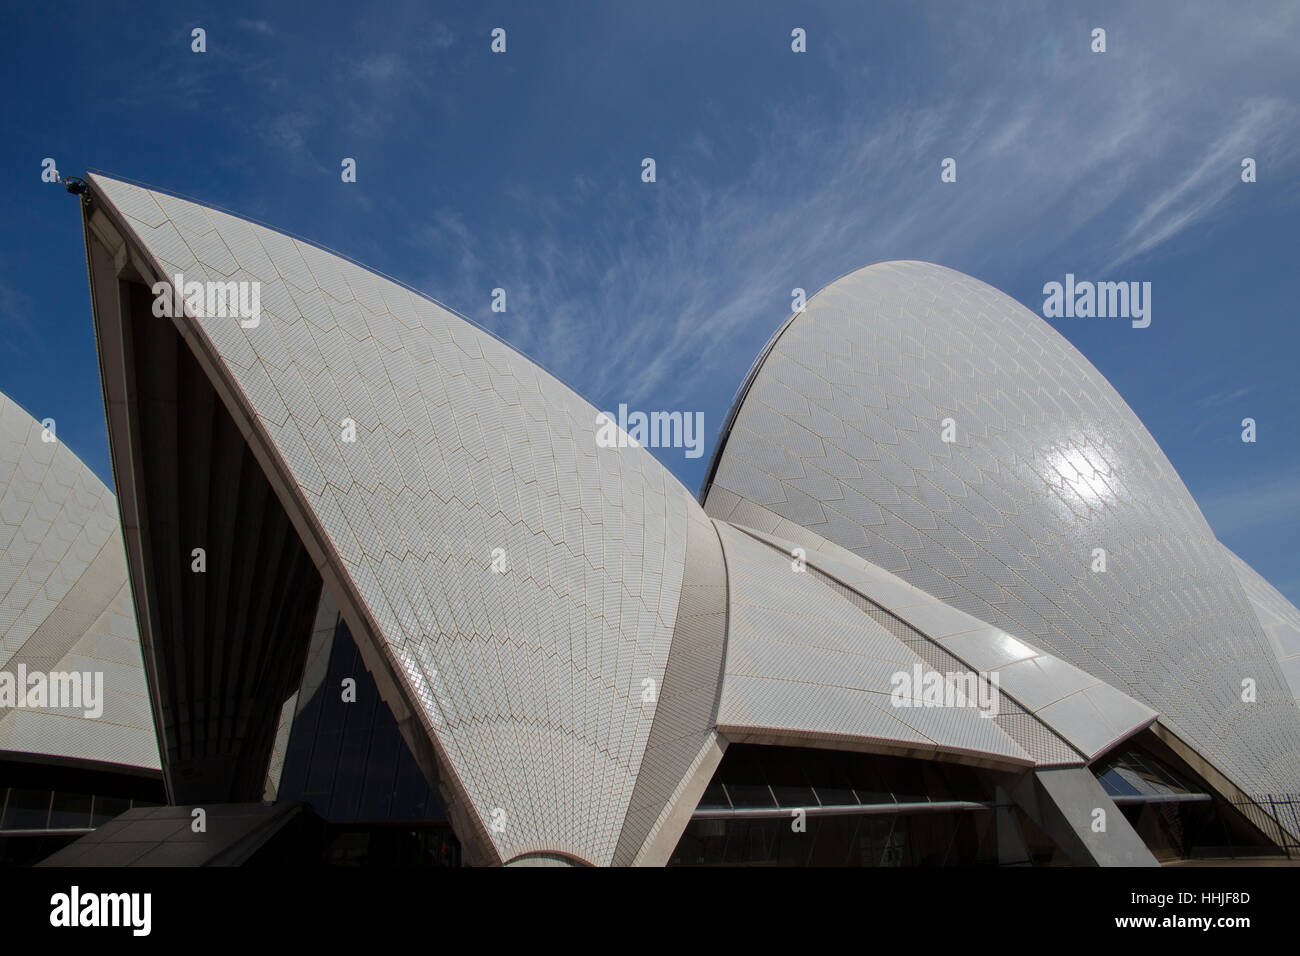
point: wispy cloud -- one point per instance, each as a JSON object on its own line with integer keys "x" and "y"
{"x": 1215, "y": 170}
{"x": 18, "y": 334}
{"x": 1109, "y": 158}
{"x": 634, "y": 289}
{"x": 1270, "y": 502}
{"x": 382, "y": 66}
{"x": 255, "y": 26}
{"x": 1226, "y": 397}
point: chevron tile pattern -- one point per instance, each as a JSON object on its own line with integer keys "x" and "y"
{"x": 805, "y": 663}
{"x": 1056, "y": 712}
{"x": 1277, "y": 616}
{"x": 530, "y": 678}
{"x": 65, "y": 603}
{"x": 840, "y": 431}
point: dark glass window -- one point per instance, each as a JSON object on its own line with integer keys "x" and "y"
{"x": 715, "y": 797}
{"x": 812, "y": 780}
{"x": 745, "y": 782}
{"x": 1132, "y": 773}
{"x": 377, "y": 796}
{"x": 829, "y": 775}
{"x": 348, "y": 759}
{"x": 70, "y": 810}
{"x": 106, "y": 808}
{"x": 27, "y": 809}
{"x": 921, "y": 839}
{"x": 785, "y": 774}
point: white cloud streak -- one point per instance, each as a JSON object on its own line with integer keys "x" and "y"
{"x": 1105, "y": 157}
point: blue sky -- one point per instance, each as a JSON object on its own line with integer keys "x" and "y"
{"x": 775, "y": 170}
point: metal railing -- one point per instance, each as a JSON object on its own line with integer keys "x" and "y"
{"x": 1277, "y": 817}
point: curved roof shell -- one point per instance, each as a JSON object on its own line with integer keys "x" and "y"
{"x": 1278, "y": 617}
{"x": 1058, "y": 714}
{"x": 804, "y": 665}
{"x": 522, "y": 583}
{"x": 65, "y": 602}
{"x": 840, "y": 430}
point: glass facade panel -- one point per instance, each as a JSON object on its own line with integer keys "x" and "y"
{"x": 106, "y": 808}
{"x": 830, "y": 778}
{"x": 789, "y": 778}
{"x": 715, "y": 797}
{"x": 30, "y": 808}
{"x": 26, "y": 809}
{"x": 70, "y": 810}
{"x": 347, "y": 759}
{"x": 913, "y": 840}
{"x": 1178, "y": 814}
{"x": 745, "y": 782}
{"x": 1134, "y": 773}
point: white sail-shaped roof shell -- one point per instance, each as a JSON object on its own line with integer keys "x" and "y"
{"x": 1279, "y": 618}
{"x": 522, "y": 580}
{"x": 840, "y": 430}
{"x": 65, "y": 603}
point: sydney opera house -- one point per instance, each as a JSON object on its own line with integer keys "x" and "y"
{"x": 370, "y": 592}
